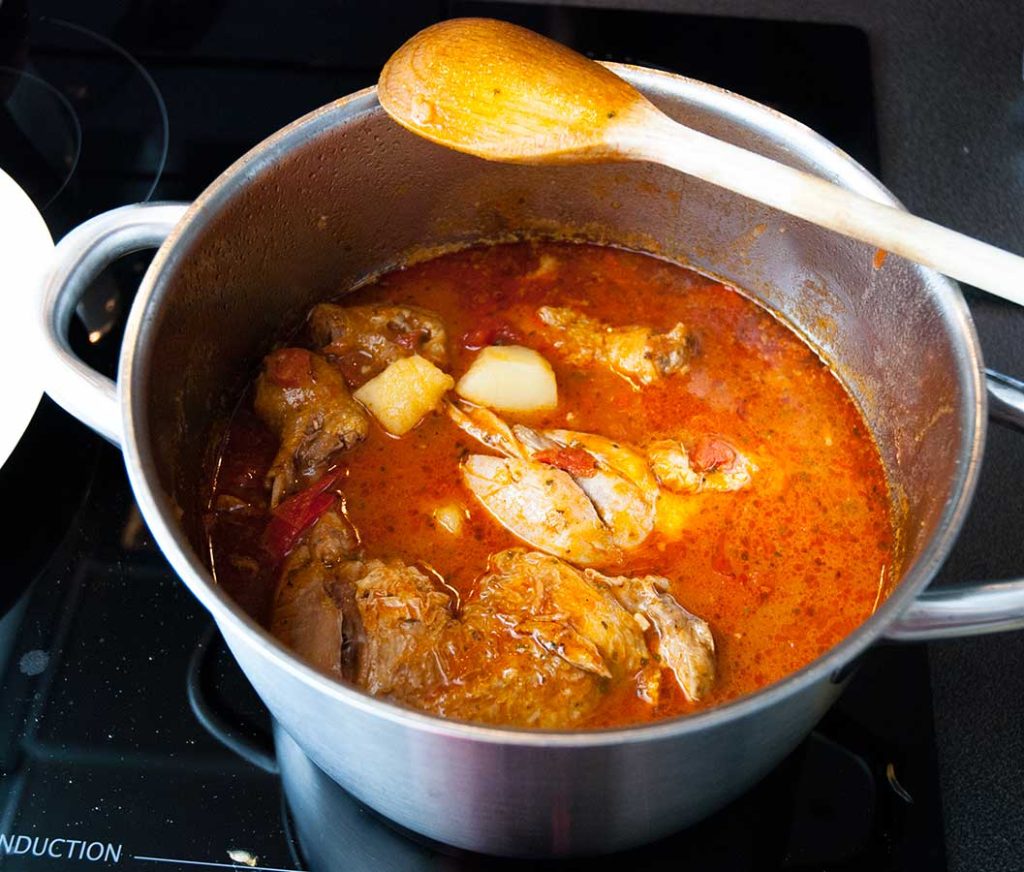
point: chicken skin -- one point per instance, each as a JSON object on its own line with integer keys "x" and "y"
{"x": 306, "y": 403}
{"x": 537, "y": 642}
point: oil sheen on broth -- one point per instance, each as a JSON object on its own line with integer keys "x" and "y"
{"x": 716, "y": 517}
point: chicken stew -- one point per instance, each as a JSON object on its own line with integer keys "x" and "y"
{"x": 551, "y": 485}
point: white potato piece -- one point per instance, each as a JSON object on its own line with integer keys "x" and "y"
{"x": 403, "y": 393}
{"x": 449, "y": 517}
{"x": 510, "y": 378}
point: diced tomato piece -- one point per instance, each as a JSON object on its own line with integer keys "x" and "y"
{"x": 711, "y": 454}
{"x": 477, "y": 338}
{"x": 289, "y": 367}
{"x": 492, "y": 333}
{"x": 295, "y": 515}
{"x": 575, "y": 461}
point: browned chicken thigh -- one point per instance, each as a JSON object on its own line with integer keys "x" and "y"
{"x": 405, "y": 634}
{"x": 546, "y": 645}
{"x": 641, "y": 354}
{"x": 537, "y": 643}
{"x": 306, "y": 617}
{"x": 365, "y": 339}
{"x": 306, "y": 402}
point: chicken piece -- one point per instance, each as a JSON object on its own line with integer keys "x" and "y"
{"x": 305, "y": 401}
{"x": 538, "y": 503}
{"x": 640, "y": 354}
{"x": 620, "y": 484}
{"x": 713, "y": 465}
{"x": 547, "y": 600}
{"x": 306, "y": 616}
{"x": 585, "y": 507}
{"x": 408, "y": 632}
{"x": 541, "y": 505}
{"x": 685, "y": 643}
{"x": 487, "y": 428}
{"x": 366, "y": 339}
{"x": 535, "y": 646}
{"x": 537, "y": 643}
{"x": 379, "y": 623}
{"x": 544, "y": 644}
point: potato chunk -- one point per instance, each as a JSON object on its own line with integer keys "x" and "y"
{"x": 510, "y": 378}
{"x": 403, "y": 393}
{"x": 449, "y": 518}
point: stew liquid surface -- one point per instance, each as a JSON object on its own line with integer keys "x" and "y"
{"x": 781, "y": 561}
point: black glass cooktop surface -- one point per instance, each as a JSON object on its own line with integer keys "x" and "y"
{"x": 104, "y": 760}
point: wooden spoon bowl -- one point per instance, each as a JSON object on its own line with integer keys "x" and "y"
{"x": 522, "y": 98}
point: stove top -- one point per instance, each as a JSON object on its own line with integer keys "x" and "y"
{"x": 128, "y": 736}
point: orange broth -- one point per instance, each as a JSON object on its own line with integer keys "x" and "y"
{"x": 781, "y": 570}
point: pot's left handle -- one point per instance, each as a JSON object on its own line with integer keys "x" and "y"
{"x": 78, "y": 258}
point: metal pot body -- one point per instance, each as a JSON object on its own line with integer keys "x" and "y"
{"x": 530, "y": 799}
{"x": 343, "y": 194}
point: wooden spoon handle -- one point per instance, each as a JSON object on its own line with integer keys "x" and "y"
{"x": 820, "y": 202}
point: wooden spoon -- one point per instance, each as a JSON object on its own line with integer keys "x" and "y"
{"x": 504, "y": 93}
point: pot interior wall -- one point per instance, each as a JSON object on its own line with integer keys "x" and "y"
{"x": 348, "y": 193}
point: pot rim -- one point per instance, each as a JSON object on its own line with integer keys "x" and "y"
{"x": 160, "y": 511}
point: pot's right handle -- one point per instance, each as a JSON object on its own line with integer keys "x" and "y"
{"x": 972, "y": 609}
{"x": 78, "y": 258}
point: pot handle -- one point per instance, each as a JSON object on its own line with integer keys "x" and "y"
{"x": 971, "y": 609}
{"x": 78, "y": 258}
{"x": 253, "y": 743}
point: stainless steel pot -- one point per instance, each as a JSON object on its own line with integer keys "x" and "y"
{"x": 344, "y": 193}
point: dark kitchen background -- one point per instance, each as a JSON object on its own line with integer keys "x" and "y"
{"x": 107, "y": 665}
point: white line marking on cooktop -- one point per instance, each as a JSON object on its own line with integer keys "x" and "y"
{"x": 216, "y": 865}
